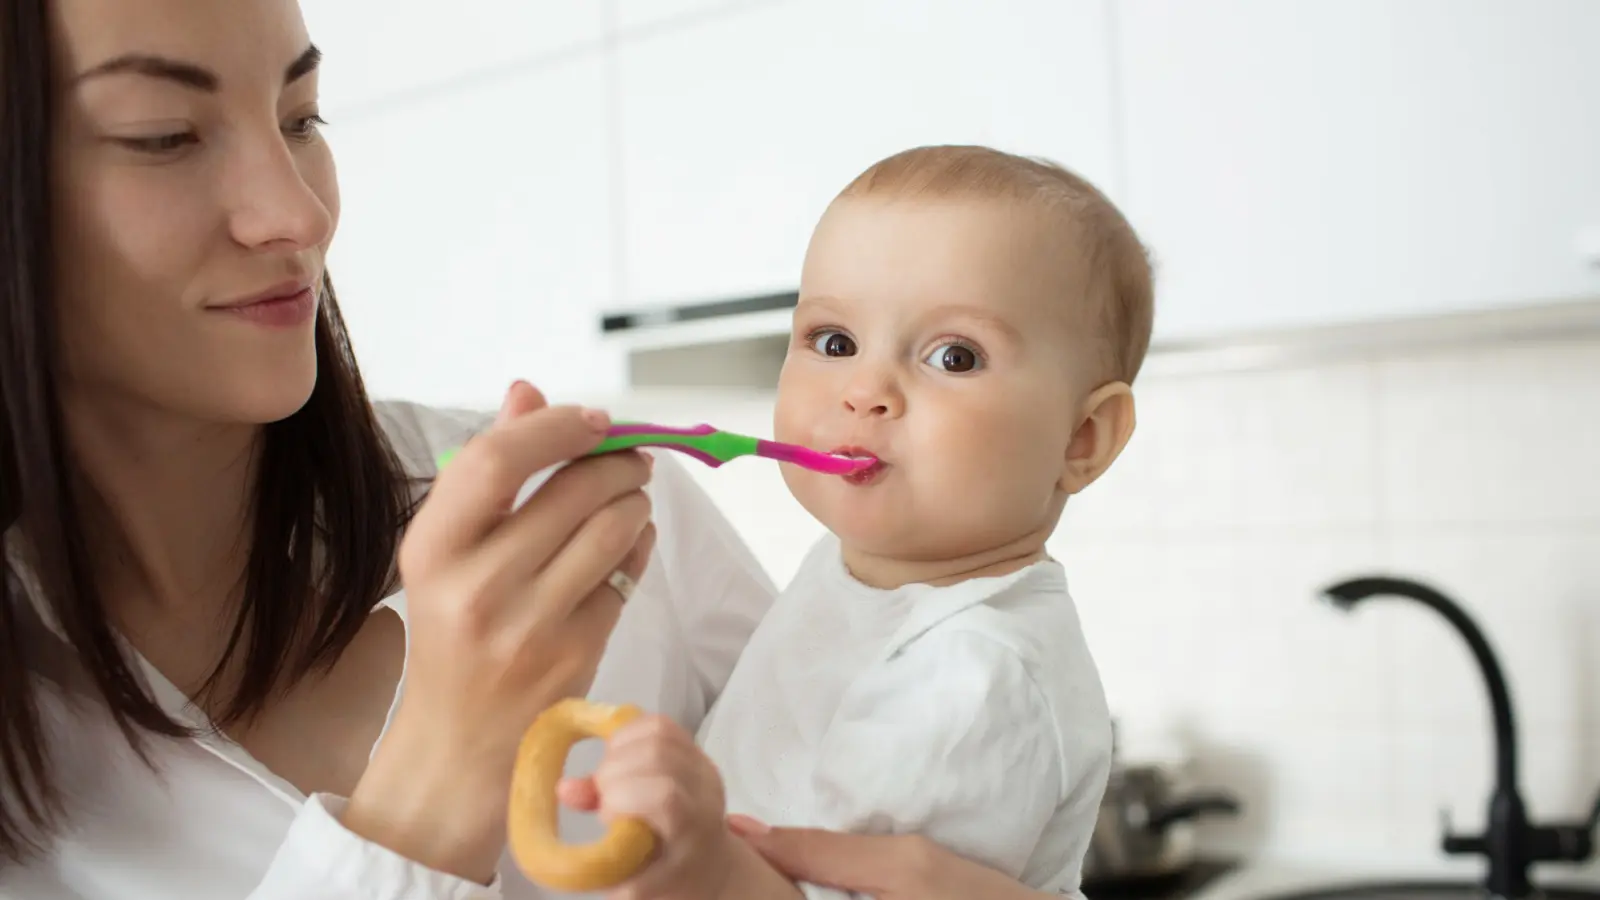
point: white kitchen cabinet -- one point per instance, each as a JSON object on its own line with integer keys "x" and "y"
{"x": 476, "y": 238}
{"x": 737, "y": 130}
{"x": 1328, "y": 161}
{"x": 385, "y": 51}
{"x": 634, "y": 14}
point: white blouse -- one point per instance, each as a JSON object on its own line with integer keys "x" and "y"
{"x": 211, "y": 822}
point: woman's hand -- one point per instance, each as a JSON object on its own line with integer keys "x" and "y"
{"x": 508, "y": 612}
{"x": 887, "y": 867}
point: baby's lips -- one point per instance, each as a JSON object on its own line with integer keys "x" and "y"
{"x": 854, "y": 451}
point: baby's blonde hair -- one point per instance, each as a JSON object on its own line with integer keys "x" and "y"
{"x": 1118, "y": 271}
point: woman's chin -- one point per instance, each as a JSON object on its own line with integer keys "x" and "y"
{"x": 269, "y": 398}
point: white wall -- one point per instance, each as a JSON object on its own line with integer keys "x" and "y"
{"x": 1198, "y": 558}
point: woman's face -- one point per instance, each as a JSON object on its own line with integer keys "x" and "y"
{"x": 194, "y": 203}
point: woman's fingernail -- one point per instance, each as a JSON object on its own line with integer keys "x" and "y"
{"x": 598, "y": 419}
{"x": 505, "y": 403}
{"x": 744, "y": 825}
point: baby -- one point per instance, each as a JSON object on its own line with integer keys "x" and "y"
{"x": 973, "y": 320}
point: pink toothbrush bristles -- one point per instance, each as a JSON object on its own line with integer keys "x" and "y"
{"x": 826, "y": 463}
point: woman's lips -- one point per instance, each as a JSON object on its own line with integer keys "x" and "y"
{"x": 288, "y": 311}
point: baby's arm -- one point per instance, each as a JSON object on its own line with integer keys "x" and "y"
{"x": 952, "y": 739}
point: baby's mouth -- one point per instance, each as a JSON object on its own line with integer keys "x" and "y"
{"x": 866, "y": 474}
{"x": 853, "y": 452}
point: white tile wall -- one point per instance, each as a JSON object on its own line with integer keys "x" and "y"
{"x": 1197, "y": 559}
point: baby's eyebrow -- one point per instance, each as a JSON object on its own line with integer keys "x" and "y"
{"x": 999, "y": 323}
{"x": 822, "y": 300}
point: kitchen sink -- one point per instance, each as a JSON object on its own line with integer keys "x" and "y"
{"x": 1425, "y": 890}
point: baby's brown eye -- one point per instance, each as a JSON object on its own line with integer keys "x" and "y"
{"x": 955, "y": 359}
{"x": 833, "y": 343}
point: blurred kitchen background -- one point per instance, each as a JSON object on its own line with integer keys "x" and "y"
{"x": 1377, "y": 231}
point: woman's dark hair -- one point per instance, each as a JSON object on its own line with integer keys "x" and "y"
{"x": 328, "y": 480}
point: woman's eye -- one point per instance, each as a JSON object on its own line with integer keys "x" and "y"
{"x": 955, "y": 358}
{"x": 833, "y": 343}
{"x": 161, "y": 143}
{"x": 305, "y": 127}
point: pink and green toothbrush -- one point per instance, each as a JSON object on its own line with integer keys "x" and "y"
{"x": 714, "y": 447}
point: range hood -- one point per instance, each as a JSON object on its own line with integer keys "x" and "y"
{"x": 736, "y": 342}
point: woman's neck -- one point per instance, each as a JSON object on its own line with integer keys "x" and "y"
{"x": 169, "y": 502}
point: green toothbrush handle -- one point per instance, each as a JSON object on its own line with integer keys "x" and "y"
{"x": 710, "y": 445}
{"x": 703, "y": 442}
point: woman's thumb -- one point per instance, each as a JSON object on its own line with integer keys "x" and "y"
{"x": 521, "y": 398}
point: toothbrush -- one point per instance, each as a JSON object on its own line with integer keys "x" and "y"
{"x": 714, "y": 447}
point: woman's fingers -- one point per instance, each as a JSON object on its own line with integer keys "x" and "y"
{"x": 605, "y": 542}
{"x": 883, "y": 866}
{"x": 638, "y": 559}
{"x": 570, "y": 510}
{"x": 521, "y": 398}
{"x": 587, "y": 628}
{"x": 866, "y": 864}
{"x": 846, "y": 862}
{"x": 474, "y": 493}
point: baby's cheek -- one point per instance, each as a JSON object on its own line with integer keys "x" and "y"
{"x": 973, "y": 433}
{"x": 1011, "y": 449}
{"x": 794, "y": 410}
{"x": 785, "y": 420}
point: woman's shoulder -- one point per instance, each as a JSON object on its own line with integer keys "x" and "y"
{"x": 419, "y": 432}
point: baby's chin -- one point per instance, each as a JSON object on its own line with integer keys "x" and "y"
{"x": 898, "y": 529}
{"x": 855, "y": 516}
{"x": 892, "y": 532}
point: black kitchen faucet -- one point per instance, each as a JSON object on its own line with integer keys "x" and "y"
{"x": 1510, "y": 843}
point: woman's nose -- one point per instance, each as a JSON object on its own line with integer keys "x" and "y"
{"x": 275, "y": 204}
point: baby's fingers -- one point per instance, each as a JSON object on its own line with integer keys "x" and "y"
{"x": 663, "y": 802}
{"x": 652, "y": 734}
{"x": 579, "y": 794}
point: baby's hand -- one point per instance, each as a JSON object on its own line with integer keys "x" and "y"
{"x": 653, "y": 771}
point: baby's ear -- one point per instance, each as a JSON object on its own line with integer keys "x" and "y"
{"x": 1105, "y": 423}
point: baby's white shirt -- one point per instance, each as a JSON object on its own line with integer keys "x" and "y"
{"x": 972, "y": 714}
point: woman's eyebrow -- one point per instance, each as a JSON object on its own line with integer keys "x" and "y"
{"x": 188, "y": 74}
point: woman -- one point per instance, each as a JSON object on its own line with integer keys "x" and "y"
{"x": 202, "y": 650}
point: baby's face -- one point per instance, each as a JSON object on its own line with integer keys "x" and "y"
{"x": 938, "y": 336}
